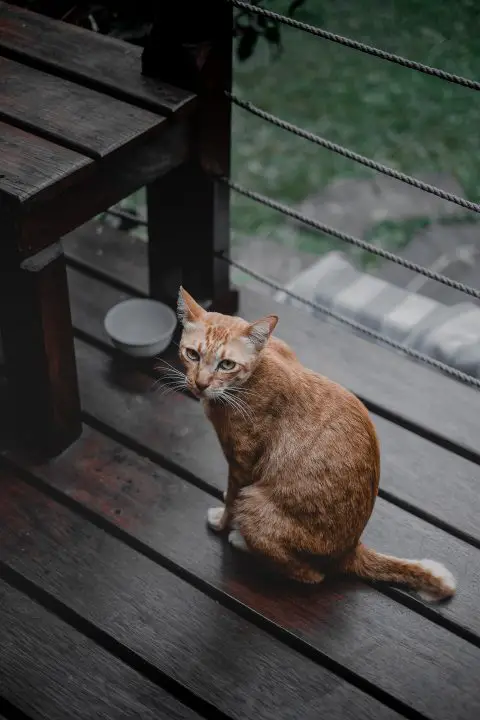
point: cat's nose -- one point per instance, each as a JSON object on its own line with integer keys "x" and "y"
{"x": 201, "y": 385}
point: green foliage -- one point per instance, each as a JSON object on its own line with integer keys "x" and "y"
{"x": 412, "y": 122}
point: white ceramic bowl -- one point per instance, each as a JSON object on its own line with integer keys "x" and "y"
{"x": 141, "y": 328}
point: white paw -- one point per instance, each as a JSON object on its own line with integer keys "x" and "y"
{"x": 236, "y": 540}
{"x": 215, "y": 517}
{"x": 441, "y": 573}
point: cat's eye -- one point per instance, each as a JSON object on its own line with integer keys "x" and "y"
{"x": 226, "y": 365}
{"x": 192, "y": 354}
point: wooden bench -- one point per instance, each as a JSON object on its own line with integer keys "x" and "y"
{"x": 81, "y": 128}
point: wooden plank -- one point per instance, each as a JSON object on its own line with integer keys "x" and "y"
{"x": 84, "y": 120}
{"x": 175, "y": 628}
{"x": 390, "y": 383}
{"x": 50, "y": 671}
{"x": 115, "y": 256}
{"x": 113, "y": 178}
{"x": 172, "y": 428}
{"x": 96, "y": 61}
{"x": 351, "y": 623}
{"x": 33, "y": 168}
{"x": 90, "y": 301}
{"x": 437, "y": 484}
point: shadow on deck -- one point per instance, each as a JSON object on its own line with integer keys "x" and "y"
{"x": 116, "y": 602}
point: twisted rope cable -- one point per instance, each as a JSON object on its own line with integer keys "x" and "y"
{"x": 372, "y": 164}
{"x": 415, "y": 354}
{"x": 356, "y": 242}
{"x": 355, "y": 45}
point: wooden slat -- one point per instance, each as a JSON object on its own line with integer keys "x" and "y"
{"x": 239, "y": 669}
{"x": 51, "y": 672}
{"x": 439, "y": 484}
{"x": 387, "y": 381}
{"x": 174, "y": 429}
{"x": 99, "y": 62}
{"x": 416, "y": 473}
{"x": 118, "y": 256}
{"x": 31, "y": 167}
{"x": 409, "y": 391}
{"x": 67, "y": 113}
{"x": 115, "y": 177}
{"x": 354, "y": 625}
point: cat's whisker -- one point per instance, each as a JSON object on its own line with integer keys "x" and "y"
{"x": 171, "y": 385}
{"x": 168, "y": 365}
{"x": 172, "y": 376}
{"x": 240, "y": 390}
{"x": 167, "y": 389}
{"x": 175, "y": 378}
{"x": 169, "y": 372}
{"x": 238, "y": 405}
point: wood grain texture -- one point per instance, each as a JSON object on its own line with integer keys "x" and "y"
{"x": 349, "y": 622}
{"x": 416, "y": 473}
{"x": 440, "y": 484}
{"x": 112, "y": 179}
{"x": 173, "y": 428}
{"x": 115, "y": 256}
{"x": 51, "y": 672}
{"x": 415, "y": 394}
{"x": 436, "y": 483}
{"x": 84, "y": 120}
{"x": 174, "y": 627}
{"x": 96, "y": 61}
{"x": 34, "y": 169}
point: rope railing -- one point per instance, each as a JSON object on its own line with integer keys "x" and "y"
{"x": 355, "y": 45}
{"x": 353, "y": 325}
{"x": 356, "y": 242}
{"x": 365, "y": 161}
{"x": 321, "y": 227}
{"x": 351, "y": 155}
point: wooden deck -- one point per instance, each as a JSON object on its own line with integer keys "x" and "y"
{"x": 116, "y": 602}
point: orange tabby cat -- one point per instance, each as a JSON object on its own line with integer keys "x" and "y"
{"x": 302, "y": 452}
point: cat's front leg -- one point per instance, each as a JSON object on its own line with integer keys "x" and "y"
{"x": 221, "y": 518}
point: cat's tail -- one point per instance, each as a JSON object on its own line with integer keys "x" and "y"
{"x": 429, "y": 578}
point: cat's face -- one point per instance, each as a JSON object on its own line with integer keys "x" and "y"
{"x": 218, "y": 352}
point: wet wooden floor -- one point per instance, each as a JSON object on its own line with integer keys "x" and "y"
{"x": 116, "y": 602}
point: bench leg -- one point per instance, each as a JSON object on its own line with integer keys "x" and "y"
{"x": 37, "y": 338}
{"x": 188, "y": 225}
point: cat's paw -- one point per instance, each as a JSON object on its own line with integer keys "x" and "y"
{"x": 215, "y": 519}
{"x": 236, "y": 540}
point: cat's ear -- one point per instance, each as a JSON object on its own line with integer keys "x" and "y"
{"x": 258, "y": 332}
{"x": 188, "y": 310}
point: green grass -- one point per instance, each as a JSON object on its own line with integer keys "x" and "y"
{"x": 403, "y": 118}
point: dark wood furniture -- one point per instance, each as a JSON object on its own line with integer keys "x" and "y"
{"x": 116, "y": 601}
{"x": 81, "y": 128}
